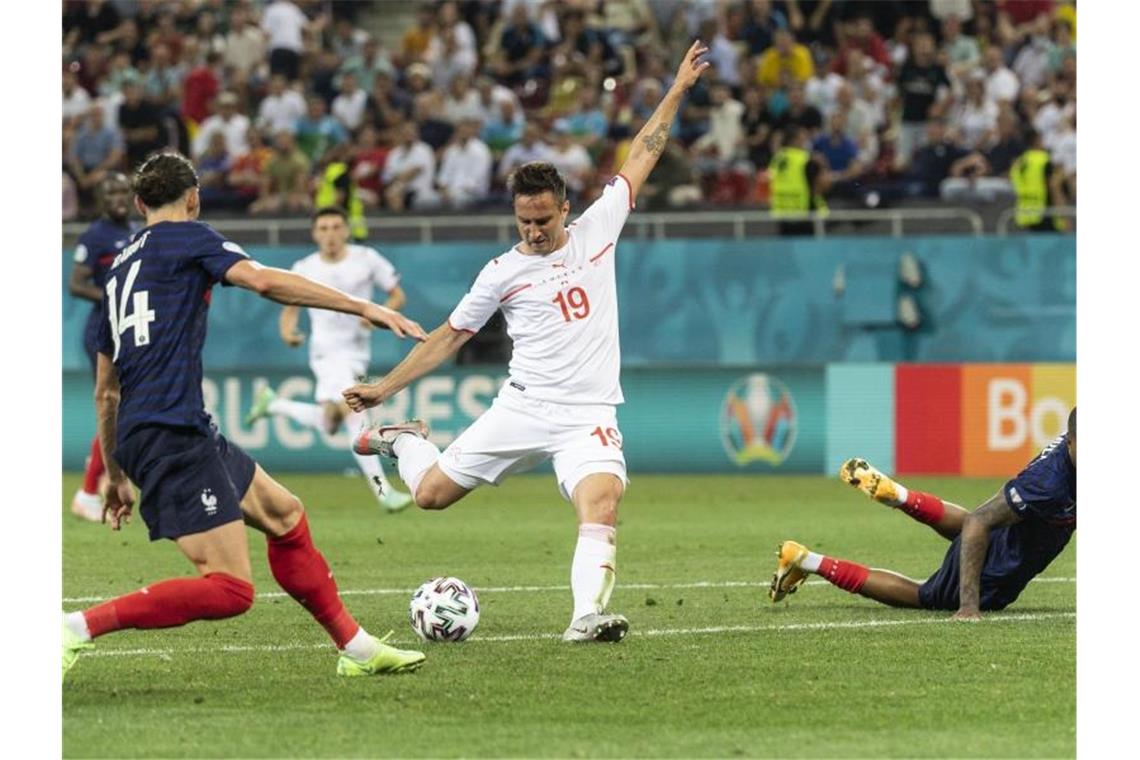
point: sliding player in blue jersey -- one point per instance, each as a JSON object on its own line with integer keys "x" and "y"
{"x": 197, "y": 488}
{"x": 995, "y": 551}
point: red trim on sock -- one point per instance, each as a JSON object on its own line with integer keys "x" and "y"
{"x": 849, "y": 576}
{"x": 172, "y": 603}
{"x": 924, "y": 507}
{"x": 94, "y": 468}
{"x": 301, "y": 570}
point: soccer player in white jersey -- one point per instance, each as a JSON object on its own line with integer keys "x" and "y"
{"x": 558, "y": 293}
{"x": 340, "y": 346}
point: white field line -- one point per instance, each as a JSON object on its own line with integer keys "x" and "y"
{"x": 651, "y": 633}
{"x": 532, "y": 589}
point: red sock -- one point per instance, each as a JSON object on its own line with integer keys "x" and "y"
{"x": 849, "y": 576}
{"x": 924, "y": 507}
{"x": 172, "y": 603}
{"x": 301, "y": 570}
{"x": 94, "y": 468}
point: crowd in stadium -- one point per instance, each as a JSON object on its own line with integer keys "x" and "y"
{"x": 281, "y": 104}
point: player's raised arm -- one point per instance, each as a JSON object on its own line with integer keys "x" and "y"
{"x": 443, "y": 341}
{"x": 651, "y": 140}
{"x": 975, "y": 541}
{"x": 293, "y": 289}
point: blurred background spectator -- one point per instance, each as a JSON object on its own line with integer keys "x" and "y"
{"x": 923, "y": 98}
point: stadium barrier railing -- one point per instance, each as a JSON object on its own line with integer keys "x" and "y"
{"x": 654, "y": 225}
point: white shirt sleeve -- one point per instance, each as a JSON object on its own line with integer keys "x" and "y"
{"x": 383, "y": 273}
{"x": 608, "y": 213}
{"x": 480, "y": 303}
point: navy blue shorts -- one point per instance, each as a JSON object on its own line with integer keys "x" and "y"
{"x": 190, "y": 482}
{"x": 940, "y": 592}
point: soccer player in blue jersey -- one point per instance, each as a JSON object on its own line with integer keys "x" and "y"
{"x": 96, "y": 249}
{"x": 197, "y": 487}
{"x": 995, "y": 551}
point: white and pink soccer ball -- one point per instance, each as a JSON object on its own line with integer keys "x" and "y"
{"x": 444, "y": 609}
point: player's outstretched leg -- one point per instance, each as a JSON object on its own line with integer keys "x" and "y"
{"x": 417, "y": 459}
{"x": 267, "y": 404}
{"x": 796, "y": 563}
{"x": 223, "y": 590}
{"x": 389, "y": 497}
{"x": 593, "y": 571}
{"x": 945, "y": 518}
{"x": 301, "y": 570}
{"x": 87, "y": 503}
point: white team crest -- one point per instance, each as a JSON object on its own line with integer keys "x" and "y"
{"x": 209, "y": 501}
{"x": 1014, "y": 496}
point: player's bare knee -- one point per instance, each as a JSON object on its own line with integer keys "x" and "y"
{"x": 281, "y": 514}
{"x": 428, "y": 496}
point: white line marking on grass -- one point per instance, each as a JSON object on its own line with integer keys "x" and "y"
{"x": 532, "y": 589}
{"x": 652, "y": 632}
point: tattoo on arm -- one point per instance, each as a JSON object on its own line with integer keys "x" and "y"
{"x": 656, "y": 140}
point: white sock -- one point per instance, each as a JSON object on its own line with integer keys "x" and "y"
{"x": 594, "y": 569}
{"x": 77, "y": 624}
{"x": 361, "y": 646}
{"x": 811, "y": 562}
{"x": 301, "y": 412}
{"x": 902, "y": 494}
{"x": 415, "y": 456}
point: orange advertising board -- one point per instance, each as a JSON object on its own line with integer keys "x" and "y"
{"x": 1010, "y": 412}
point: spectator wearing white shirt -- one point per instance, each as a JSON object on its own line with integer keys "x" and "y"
{"x": 462, "y": 101}
{"x": 453, "y": 47}
{"x": 530, "y": 148}
{"x": 723, "y": 143}
{"x": 571, "y": 159}
{"x": 491, "y": 97}
{"x": 284, "y": 24}
{"x": 244, "y": 46}
{"x": 464, "y": 177}
{"x": 409, "y": 172}
{"x": 349, "y": 106}
{"x": 1032, "y": 62}
{"x": 1054, "y": 111}
{"x": 859, "y": 124}
{"x": 1001, "y": 83}
{"x": 974, "y": 116}
{"x": 76, "y": 101}
{"x": 868, "y": 85}
{"x": 233, "y": 125}
{"x": 281, "y": 108}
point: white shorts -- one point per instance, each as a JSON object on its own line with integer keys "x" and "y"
{"x": 517, "y": 434}
{"x": 335, "y": 373}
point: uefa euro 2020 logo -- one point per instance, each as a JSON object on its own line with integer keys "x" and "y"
{"x": 758, "y": 421}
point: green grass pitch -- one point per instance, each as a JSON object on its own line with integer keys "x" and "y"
{"x": 709, "y": 670}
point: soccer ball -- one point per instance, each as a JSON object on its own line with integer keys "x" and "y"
{"x": 444, "y": 609}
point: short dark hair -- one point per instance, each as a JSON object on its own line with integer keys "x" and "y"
{"x": 535, "y": 178}
{"x": 1073, "y": 423}
{"x": 164, "y": 178}
{"x": 330, "y": 211}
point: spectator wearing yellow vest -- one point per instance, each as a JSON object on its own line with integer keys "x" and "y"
{"x": 336, "y": 187}
{"x": 798, "y": 181}
{"x": 1037, "y": 185}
